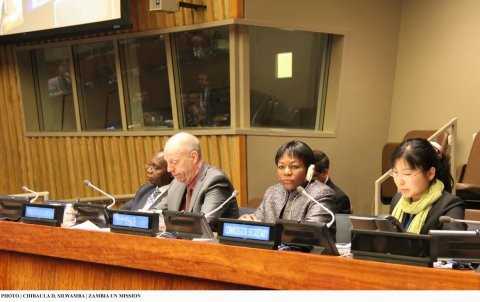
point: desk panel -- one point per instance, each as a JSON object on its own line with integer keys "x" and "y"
{"x": 118, "y": 261}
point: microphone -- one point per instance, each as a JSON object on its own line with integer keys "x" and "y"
{"x": 36, "y": 194}
{"x": 234, "y": 194}
{"x": 448, "y": 219}
{"x": 302, "y": 191}
{"x": 88, "y": 183}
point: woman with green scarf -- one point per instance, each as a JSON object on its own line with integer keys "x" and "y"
{"x": 422, "y": 176}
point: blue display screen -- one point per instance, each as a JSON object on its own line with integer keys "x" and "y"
{"x": 39, "y": 212}
{"x": 245, "y": 231}
{"x": 133, "y": 221}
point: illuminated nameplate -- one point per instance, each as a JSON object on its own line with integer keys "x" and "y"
{"x": 246, "y": 231}
{"x": 249, "y": 233}
{"x": 136, "y": 223}
{"x": 133, "y": 221}
{"x": 48, "y": 214}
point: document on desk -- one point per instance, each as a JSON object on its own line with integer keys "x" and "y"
{"x": 89, "y": 226}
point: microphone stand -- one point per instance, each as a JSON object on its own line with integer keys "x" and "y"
{"x": 302, "y": 191}
{"x": 89, "y": 184}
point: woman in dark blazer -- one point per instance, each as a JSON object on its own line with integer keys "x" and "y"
{"x": 422, "y": 176}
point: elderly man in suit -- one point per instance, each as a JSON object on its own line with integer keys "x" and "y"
{"x": 149, "y": 196}
{"x": 196, "y": 187}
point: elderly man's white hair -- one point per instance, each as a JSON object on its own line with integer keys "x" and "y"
{"x": 185, "y": 141}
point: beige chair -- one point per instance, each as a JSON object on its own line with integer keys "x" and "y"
{"x": 468, "y": 186}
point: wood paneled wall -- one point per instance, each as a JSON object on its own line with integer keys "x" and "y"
{"x": 60, "y": 164}
{"x": 116, "y": 163}
{"x": 142, "y": 19}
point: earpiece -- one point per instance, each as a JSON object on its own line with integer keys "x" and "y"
{"x": 310, "y": 172}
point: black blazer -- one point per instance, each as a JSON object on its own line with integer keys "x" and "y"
{"x": 342, "y": 202}
{"x": 138, "y": 202}
{"x": 447, "y": 205}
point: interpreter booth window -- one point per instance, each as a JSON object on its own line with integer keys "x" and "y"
{"x": 288, "y": 75}
{"x": 145, "y": 83}
{"x": 97, "y": 86}
{"x": 202, "y": 77}
{"x": 47, "y": 89}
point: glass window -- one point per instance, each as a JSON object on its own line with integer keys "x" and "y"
{"x": 145, "y": 83}
{"x": 97, "y": 86}
{"x": 287, "y": 78}
{"x": 47, "y": 89}
{"x": 203, "y": 81}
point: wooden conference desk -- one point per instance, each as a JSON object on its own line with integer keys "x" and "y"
{"x": 42, "y": 257}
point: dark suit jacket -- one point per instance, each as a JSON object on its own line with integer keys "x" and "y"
{"x": 342, "y": 202}
{"x": 447, "y": 205}
{"x": 216, "y": 104}
{"x": 212, "y": 189}
{"x": 138, "y": 202}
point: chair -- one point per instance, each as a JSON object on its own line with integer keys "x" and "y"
{"x": 243, "y": 211}
{"x": 343, "y": 228}
{"x": 472, "y": 214}
{"x": 468, "y": 186}
{"x": 388, "y": 188}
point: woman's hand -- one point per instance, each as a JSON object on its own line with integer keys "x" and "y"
{"x": 249, "y": 217}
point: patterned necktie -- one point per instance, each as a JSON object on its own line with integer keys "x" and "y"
{"x": 151, "y": 199}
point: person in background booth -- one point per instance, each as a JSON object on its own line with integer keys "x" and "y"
{"x": 149, "y": 195}
{"x": 322, "y": 169}
{"x": 282, "y": 200}
{"x": 422, "y": 176}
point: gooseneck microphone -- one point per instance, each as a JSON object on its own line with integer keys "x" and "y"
{"x": 89, "y": 184}
{"x": 302, "y": 191}
{"x": 36, "y": 194}
{"x": 234, "y": 194}
{"x": 448, "y": 219}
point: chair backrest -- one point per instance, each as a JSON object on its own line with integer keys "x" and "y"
{"x": 442, "y": 139}
{"x": 388, "y": 188}
{"x": 471, "y": 214}
{"x": 343, "y": 228}
{"x": 243, "y": 211}
{"x": 472, "y": 170}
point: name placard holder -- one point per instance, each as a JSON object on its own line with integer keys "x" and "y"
{"x": 135, "y": 223}
{"x": 47, "y": 214}
{"x": 249, "y": 233}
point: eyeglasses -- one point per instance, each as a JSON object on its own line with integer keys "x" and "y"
{"x": 290, "y": 167}
{"x": 152, "y": 166}
{"x": 403, "y": 175}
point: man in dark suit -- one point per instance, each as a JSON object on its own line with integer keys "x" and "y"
{"x": 149, "y": 195}
{"x": 214, "y": 104}
{"x": 197, "y": 187}
{"x": 322, "y": 167}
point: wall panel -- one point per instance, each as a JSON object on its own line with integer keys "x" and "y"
{"x": 60, "y": 164}
{"x": 217, "y": 10}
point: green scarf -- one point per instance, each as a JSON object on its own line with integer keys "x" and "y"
{"x": 418, "y": 208}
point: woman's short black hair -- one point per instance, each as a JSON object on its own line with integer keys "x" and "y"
{"x": 296, "y": 149}
{"x": 420, "y": 154}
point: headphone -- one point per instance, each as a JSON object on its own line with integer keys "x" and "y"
{"x": 310, "y": 172}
